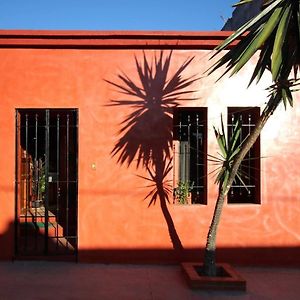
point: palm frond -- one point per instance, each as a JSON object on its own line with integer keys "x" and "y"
{"x": 251, "y": 24}
{"x": 242, "y": 2}
{"x": 229, "y": 151}
{"x": 279, "y": 41}
{"x": 276, "y": 32}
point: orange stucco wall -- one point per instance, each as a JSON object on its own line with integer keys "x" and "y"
{"x": 114, "y": 220}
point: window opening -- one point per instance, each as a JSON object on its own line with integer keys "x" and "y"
{"x": 190, "y": 155}
{"x": 247, "y": 191}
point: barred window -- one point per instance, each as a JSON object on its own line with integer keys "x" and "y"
{"x": 190, "y": 147}
{"x": 247, "y": 191}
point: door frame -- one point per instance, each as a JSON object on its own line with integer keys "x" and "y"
{"x": 18, "y": 180}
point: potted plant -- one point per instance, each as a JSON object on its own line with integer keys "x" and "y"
{"x": 182, "y": 192}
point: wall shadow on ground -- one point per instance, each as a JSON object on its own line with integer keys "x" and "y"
{"x": 13, "y": 246}
{"x": 254, "y": 256}
{"x": 7, "y": 242}
{"x": 248, "y": 256}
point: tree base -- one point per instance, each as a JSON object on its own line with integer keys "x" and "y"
{"x": 227, "y": 278}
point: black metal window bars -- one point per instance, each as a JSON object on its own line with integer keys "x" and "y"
{"x": 247, "y": 190}
{"x": 189, "y": 143}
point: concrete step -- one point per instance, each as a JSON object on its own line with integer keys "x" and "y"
{"x": 30, "y": 246}
{"x": 29, "y": 228}
{"x": 54, "y": 229}
{"x": 33, "y": 219}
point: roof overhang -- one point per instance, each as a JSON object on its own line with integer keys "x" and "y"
{"x": 111, "y": 39}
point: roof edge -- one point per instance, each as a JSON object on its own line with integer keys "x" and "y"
{"x": 111, "y": 39}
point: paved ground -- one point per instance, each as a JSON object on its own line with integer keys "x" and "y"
{"x": 57, "y": 280}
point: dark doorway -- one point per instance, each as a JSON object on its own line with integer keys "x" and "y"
{"x": 46, "y": 182}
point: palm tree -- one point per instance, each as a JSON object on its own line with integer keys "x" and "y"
{"x": 275, "y": 33}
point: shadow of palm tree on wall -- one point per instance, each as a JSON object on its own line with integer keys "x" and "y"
{"x": 146, "y": 133}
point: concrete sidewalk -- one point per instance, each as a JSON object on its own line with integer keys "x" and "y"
{"x": 59, "y": 280}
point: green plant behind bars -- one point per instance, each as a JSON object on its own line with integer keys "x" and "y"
{"x": 182, "y": 191}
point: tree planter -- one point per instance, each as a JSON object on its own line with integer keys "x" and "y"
{"x": 227, "y": 279}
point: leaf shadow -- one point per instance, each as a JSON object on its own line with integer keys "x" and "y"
{"x": 146, "y": 133}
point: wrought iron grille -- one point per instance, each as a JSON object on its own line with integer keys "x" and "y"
{"x": 247, "y": 190}
{"x": 189, "y": 135}
{"x": 46, "y": 182}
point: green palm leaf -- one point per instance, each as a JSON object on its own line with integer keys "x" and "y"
{"x": 259, "y": 39}
{"x": 229, "y": 150}
{"x": 241, "y": 2}
{"x": 279, "y": 40}
{"x": 247, "y": 26}
{"x": 263, "y": 63}
{"x": 276, "y": 32}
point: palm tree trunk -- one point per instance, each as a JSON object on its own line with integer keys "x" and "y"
{"x": 210, "y": 249}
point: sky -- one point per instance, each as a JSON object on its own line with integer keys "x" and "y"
{"x": 189, "y": 15}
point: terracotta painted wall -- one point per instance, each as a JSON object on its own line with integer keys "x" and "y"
{"x": 115, "y": 221}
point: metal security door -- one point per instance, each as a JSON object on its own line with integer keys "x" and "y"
{"x": 46, "y": 182}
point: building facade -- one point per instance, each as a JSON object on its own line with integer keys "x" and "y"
{"x": 108, "y": 152}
